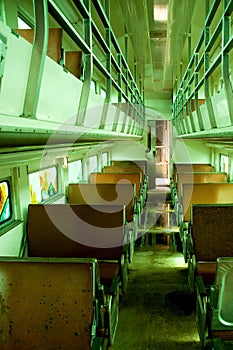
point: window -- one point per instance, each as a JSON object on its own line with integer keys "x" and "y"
{"x": 22, "y": 24}
{"x": 104, "y": 159}
{"x": 5, "y": 202}
{"x": 93, "y": 164}
{"x": 75, "y": 172}
{"x": 102, "y": 93}
{"x": 224, "y": 163}
{"x": 93, "y": 86}
{"x": 43, "y": 185}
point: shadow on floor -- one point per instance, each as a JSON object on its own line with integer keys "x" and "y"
{"x": 157, "y": 310}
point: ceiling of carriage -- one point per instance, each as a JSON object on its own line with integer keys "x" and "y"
{"x": 158, "y": 30}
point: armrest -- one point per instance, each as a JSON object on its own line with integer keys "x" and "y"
{"x": 97, "y": 344}
{"x": 190, "y": 248}
{"x": 185, "y": 225}
{"x": 201, "y": 311}
{"x": 114, "y": 285}
{"x": 191, "y": 271}
{"x": 101, "y": 295}
{"x": 136, "y": 208}
{"x": 214, "y": 295}
{"x": 173, "y": 192}
{"x": 217, "y": 344}
{"x": 124, "y": 272}
{"x": 141, "y": 190}
{"x": 183, "y": 229}
{"x": 24, "y": 246}
{"x": 200, "y": 286}
{"x": 126, "y": 239}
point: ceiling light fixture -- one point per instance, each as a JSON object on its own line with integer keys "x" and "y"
{"x": 160, "y": 13}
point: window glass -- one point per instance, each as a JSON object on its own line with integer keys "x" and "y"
{"x": 103, "y": 93}
{"x": 93, "y": 164}
{"x": 43, "y": 185}
{"x": 75, "y": 172}
{"x": 224, "y": 163}
{"x": 5, "y": 204}
{"x": 22, "y": 24}
{"x": 93, "y": 85}
{"x": 104, "y": 159}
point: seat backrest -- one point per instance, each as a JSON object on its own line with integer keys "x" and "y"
{"x": 47, "y": 302}
{"x": 222, "y": 311}
{"x": 141, "y": 163}
{"x": 190, "y": 167}
{"x": 83, "y": 231}
{"x": 120, "y": 194}
{"x": 211, "y": 228}
{"x": 124, "y": 169}
{"x": 204, "y": 193}
{"x": 115, "y": 178}
{"x": 206, "y": 177}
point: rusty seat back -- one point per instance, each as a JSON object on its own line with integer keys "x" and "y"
{"x": 211, "y": 234}
{"x": 48, "y": 302}
{"x": 120, "y": 194}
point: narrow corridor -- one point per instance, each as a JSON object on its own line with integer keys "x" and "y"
{"x": 157, "y": 311}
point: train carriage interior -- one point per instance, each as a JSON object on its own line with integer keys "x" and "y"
{"x": 116, "y": 174}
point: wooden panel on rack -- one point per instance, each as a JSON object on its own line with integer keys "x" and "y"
{"x": 73, "y": 62}
{"x": 54, "y": 41}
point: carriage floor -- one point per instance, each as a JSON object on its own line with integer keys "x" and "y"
{"x": 157, "y": 311}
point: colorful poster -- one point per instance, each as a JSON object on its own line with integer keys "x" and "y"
{"x": 43, "y": 185}
{"x": 5, "y": 208}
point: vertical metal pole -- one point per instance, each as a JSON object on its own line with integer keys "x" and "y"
{"x": 2, "y": 11}
{"x": 181, "y": 71}
{"x": 190, "y": 113}
{"x": 88, "y": 68}
{"x": 226, "y": 62}
{"x": 108, "y": 58}
{"x": 125, "y": 117}
{"x": 108, "y": 80}
{"x": 197, "y": 107}
{"x": 182, "y": 119}
{"x": 37, "y": 59}
{"x": 117, "y": 115}
{"x": 109, "y": 68}
{"x": 206, "y": 79}
{"x": 134, "y": 109}
{"x": 126, "y": 45}
{"x": 189, "y": 87}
